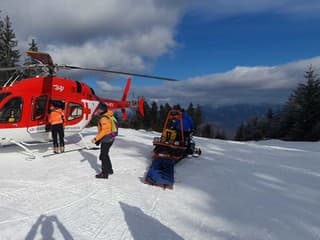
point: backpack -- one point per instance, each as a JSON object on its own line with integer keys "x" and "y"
{"x": 114, "y": 125}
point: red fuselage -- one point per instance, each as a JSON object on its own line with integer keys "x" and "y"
{"x": 24, "y": 107}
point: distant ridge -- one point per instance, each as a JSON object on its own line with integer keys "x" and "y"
{"x": 230, "y": 117}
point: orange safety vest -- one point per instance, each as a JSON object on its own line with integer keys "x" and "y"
{"x": 56, "y": 117}
{"x": 104, "y": 126}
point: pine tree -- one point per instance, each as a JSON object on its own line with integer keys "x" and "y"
{"x": 136, "y": 122}
{"x": 163, "y": 112}
{"x": 191, "y": 110}
{"x": 3, "y": 75}
{"x": 207, "y": 131}
{"x": 154, "y": 116}
{"x": 269, "y": 114}
{"x": 177, "y": 106}
{"x": 220, "y": 135}
{"x": 240, "y": 134}
{"x": 9, "y": 55}
{"x": 197, "y": 118}
{"x": 274, "y": 131}
{"x": 147, "y": 116}
{"x": 31, "y": 72}
{"x": 301, "y": 115}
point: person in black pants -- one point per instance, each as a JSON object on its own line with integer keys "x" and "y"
{"x": 56, "y": 120}
{"x": 106, "y": 138}
{"x": 106, "y": 165}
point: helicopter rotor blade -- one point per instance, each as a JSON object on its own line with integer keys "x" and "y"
{"x": 46, "y": 60}
{"x": 118, "y": 72}
{"x": 6, "y": 69}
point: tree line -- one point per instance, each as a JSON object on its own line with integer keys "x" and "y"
{"x": 298, "y": 120}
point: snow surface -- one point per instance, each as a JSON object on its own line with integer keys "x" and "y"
{"x": 253, "y": 190}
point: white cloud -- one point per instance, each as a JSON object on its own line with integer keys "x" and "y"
{"x": 124, "y": 34}
{"x": 104, "y": 86}
{"x": 260, "y": 84}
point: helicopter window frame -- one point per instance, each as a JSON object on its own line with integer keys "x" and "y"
{"x": 4, "y": 95}
{"x": 75, "y": 111}
{"x": 79, "y": 87}
{"x": 12, "y": 110}
{"x": 39, "y": 108}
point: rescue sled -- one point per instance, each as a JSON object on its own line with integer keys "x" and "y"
{"x": 174, "y": 144}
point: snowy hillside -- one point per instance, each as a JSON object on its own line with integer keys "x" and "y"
{"x": 257, "y": 190}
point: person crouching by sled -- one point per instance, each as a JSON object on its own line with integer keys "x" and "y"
{"x": 106, "y": 138}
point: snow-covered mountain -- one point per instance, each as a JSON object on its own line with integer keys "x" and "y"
{"x": 234, "y": 190}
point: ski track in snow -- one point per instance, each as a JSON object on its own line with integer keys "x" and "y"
{"x": 49, "y": 211}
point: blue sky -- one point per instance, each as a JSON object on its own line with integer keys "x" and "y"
{"x": 223, "y": 51}
{"x": 213, "y": 46}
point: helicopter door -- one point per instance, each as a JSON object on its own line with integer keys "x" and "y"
{"x": 39, "y": 109}
{"x": 38, "y": 119}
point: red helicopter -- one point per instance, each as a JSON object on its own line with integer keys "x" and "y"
{"x": 24, "y": 104}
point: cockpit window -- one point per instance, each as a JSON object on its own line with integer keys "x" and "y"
{"x": 4, "y": 95}
{"x": 11, "y": 112}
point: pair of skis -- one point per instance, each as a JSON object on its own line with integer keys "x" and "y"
{"x": 71, "y": 150}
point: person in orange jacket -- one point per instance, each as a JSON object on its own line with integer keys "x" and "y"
{"x": 106, "y": 138}
{"x": 56, "y": 120}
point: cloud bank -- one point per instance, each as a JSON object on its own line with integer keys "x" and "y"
{"x": 126, "y": 34}
{"x": 255, "y": 85}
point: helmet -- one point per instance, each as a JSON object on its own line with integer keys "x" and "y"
{"x": 102, "y": 107}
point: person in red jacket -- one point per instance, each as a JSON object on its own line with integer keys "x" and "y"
{"x": 106, "y": 138}
{"x": 56, "y": 120}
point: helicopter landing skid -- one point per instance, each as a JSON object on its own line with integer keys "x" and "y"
{"x": 31, "y": 155}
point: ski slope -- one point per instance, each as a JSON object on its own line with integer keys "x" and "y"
{"x": 235, "y": 191}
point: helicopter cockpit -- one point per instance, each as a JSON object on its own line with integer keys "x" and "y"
{"x": 11, "y": 111}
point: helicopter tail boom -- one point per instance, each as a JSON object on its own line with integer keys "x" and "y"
{"x": 124, "y": 103}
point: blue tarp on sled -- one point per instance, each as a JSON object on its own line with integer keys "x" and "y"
{"x": 161, "y": 173}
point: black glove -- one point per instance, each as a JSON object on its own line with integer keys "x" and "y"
{"x": 48, "y": 127}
